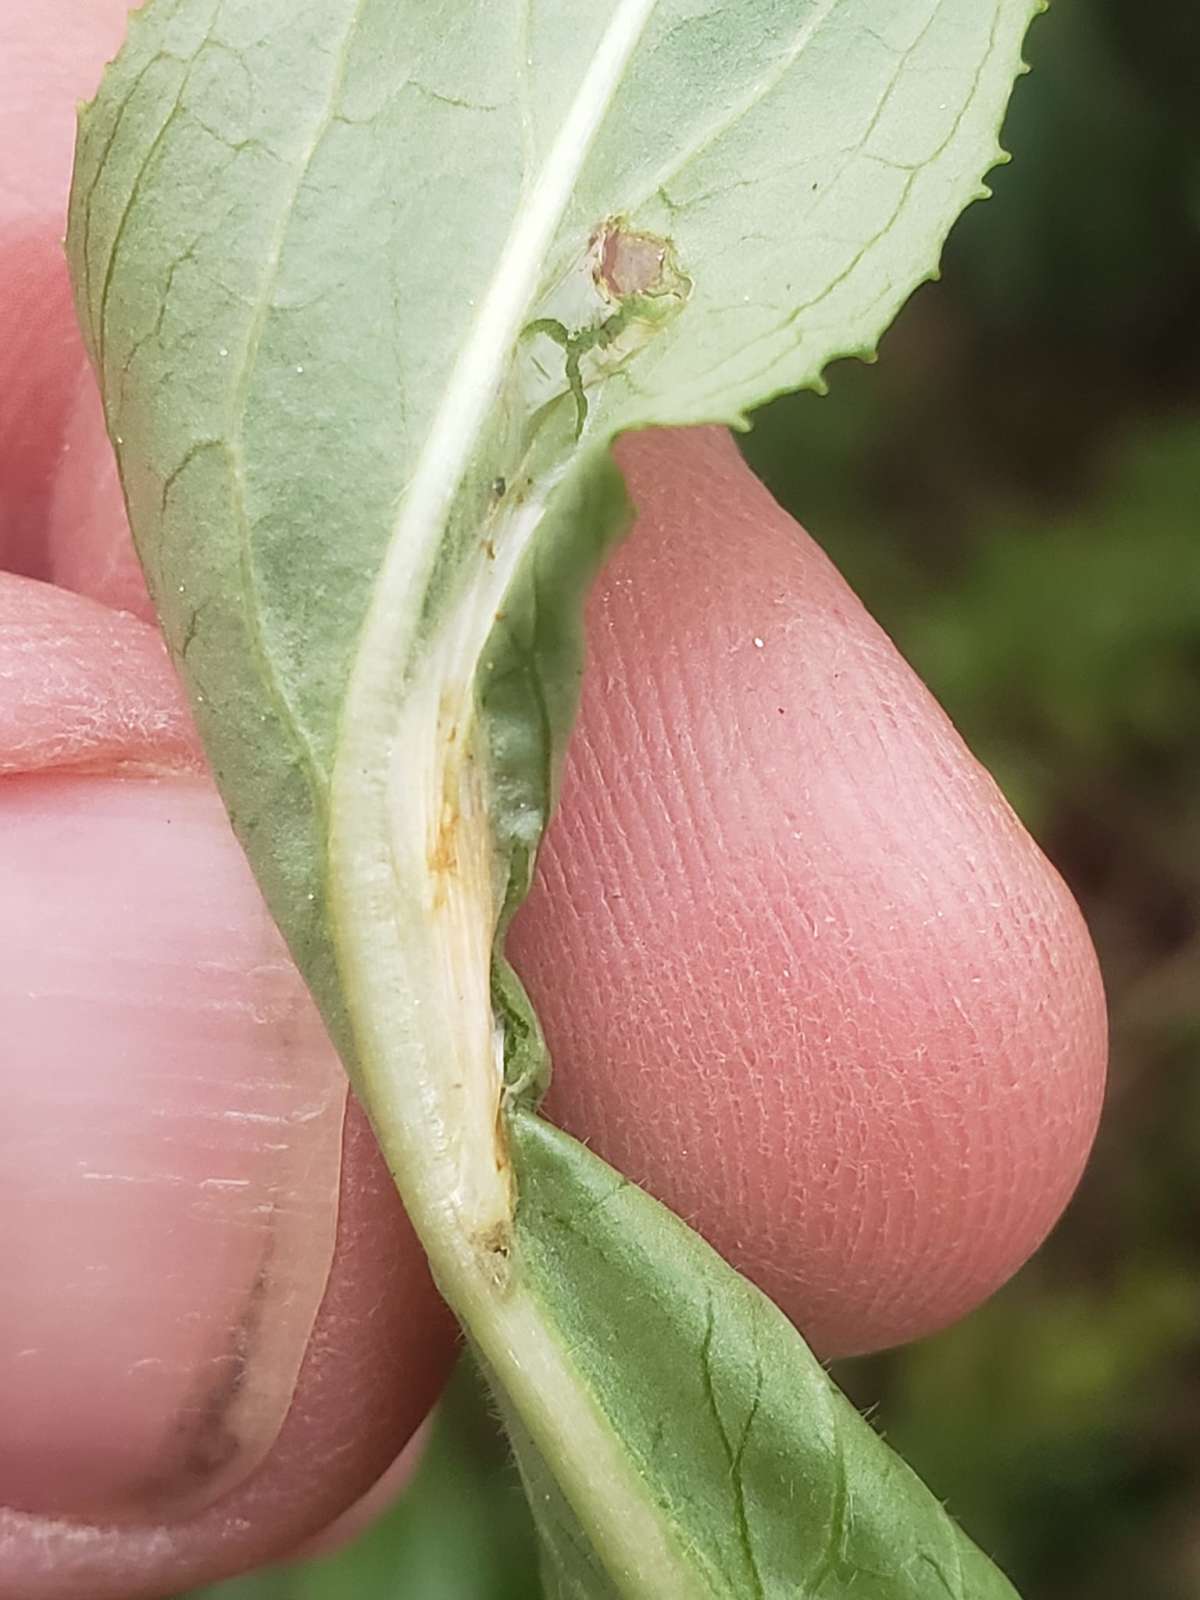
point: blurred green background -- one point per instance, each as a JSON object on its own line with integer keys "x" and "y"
{"x": 1015, "y": 492}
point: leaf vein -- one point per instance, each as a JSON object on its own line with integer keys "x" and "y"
{"x": 100, "y": 161}
{"x": 733, "y": 1454}
{"x": 135, "y": 189}
{"x": 833, "y": 1553}
{"x": 751, "y": 97}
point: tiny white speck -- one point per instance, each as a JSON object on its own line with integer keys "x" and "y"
{"x": 222, "y": 351}
{"x": 181, "y": 588}
{"x": 299, "y": 369}
{"x": 120, "y": 440}
{"x": 758, "y": 643}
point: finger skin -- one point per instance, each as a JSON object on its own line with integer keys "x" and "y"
{"x": 85, "y": 540}
{"x": 51, "y": 56}
{"x": 86, "y": 689}
{"x": 374, "y": 1505}
{"x": 829, "y": 1001}
{"x": 41, "y": 362}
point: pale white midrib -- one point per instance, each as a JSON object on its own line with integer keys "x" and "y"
{"x": 414, "y": 1098}
{"x": 474, "y": 382}
{"x": 593, "y": 1469}
{"x": 366, "y": 853}
{"x": 375, "y": 867}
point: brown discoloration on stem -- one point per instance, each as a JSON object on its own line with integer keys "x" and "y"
{"x": 443, "y": 854}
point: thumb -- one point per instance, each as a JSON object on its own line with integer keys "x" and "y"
{"x": 218, "y": 1328}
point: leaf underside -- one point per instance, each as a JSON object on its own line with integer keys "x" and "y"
{"x": 370, "y": 287}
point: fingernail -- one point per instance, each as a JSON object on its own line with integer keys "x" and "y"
{"x": 169, "y": 1153}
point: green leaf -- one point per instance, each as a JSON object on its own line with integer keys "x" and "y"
{"x": 370, "y": 288}
{"x": 810, "y": 1500}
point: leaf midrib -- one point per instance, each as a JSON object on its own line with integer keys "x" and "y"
{"x": 377, "y": 834}
{"x": 478, "y": 369}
